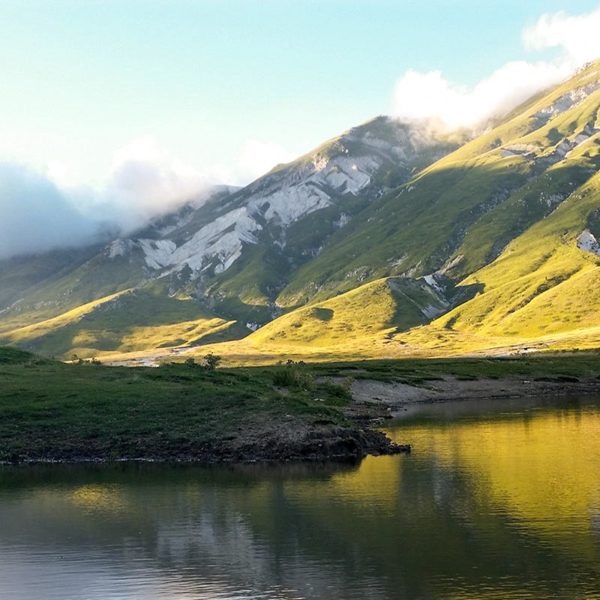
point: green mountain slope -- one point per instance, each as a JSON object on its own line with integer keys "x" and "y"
{"x": 228, "y": 255}
{"x": 458, "y": 214}
{"x": 505, "y": 224}
{"x": 128, "y": 321}
{"x": 388, "y": 240}
{"x": 380, "y": 307}
{"x": 547, "y": 281}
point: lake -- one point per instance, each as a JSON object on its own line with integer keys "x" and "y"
{"x": 497, "y": 501}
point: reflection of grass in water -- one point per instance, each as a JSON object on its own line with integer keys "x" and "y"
{"x": 97, "y": 497}
{"x": 370, "y": 488}
{"x": 541, "y": 469}
{"x": 448, "y": 521}
{"x": 503, "y": 502}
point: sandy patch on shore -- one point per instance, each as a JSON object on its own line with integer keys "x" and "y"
{"x": 450, "y": 388}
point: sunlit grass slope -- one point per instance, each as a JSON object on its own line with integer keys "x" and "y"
{"x": 93, "y": 279}
{"x": 127, "y": 321}
{"x": 500, "y": 216}
{"x": 381, "y": 307}
{"x": 542, "y": 283}
{"x": 461, "y": 212}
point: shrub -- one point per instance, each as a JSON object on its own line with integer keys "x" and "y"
{"x": 77, "y": 360}
{"x": 211, "y": 361}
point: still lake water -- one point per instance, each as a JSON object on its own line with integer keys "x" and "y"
{"x": 497, "y": 501}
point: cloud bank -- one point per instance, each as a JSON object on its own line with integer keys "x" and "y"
{"x": 144, "y": 182}
{"x": 429, "y": 95}
{"x": 42, "y": 212}
{"x": 578, "y": 36}
{"x": 35, "y": 215}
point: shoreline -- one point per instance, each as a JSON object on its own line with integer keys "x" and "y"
{"x": 326, "y": 445}
{"x": 52, "y": 412}
{"x": 451, "y": 389}
{"x": 374, "y": 403}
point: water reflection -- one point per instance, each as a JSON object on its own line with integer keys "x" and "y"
{"x": 495, "y": 502}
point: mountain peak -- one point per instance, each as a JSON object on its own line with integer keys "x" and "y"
{"x": 445, "y": 220}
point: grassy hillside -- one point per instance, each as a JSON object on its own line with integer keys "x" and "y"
{"x": 500, "y": 218}
{"x": 459, "y": 213}
{"x": 127, "y": 321}
{"x": 542, "y": 284}
{"x": 90, "y": 281}
{"x": 381, "y": 307}
{"x": 20, "y": 276}
{"x": 477, "y": 251}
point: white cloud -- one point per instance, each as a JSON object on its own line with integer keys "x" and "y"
{"x": 429, "y": 95}
{"x": 146, "y": 181}
{"x": 578, "y": 36}
{"x": 41, "y": 212}
{"x": 36, "y": 216}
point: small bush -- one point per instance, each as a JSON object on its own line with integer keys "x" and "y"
{"x": 211, "y": 361}
{"x": 77, "y": 360}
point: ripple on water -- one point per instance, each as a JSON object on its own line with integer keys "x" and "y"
{"x": 497, "y": 501}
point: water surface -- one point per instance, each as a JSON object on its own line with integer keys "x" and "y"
{"x": 498, "y": 500}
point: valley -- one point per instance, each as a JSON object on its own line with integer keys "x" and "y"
{"x": 300, "y": 300}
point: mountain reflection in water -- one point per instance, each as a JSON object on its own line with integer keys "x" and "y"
{"x": 496, "y": 501}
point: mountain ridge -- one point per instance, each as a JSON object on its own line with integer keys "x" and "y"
{"x": 233, "y": 253}
{"x": 434, "y": 218}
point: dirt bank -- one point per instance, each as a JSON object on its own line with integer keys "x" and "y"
{"x": 393, "y": 396}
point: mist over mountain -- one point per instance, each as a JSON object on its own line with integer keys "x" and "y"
{"x": 38, "y": 213}
{"x": 390, "y": 229}
{"x": 54, "y": 208}
{"x": 49, "y": 210}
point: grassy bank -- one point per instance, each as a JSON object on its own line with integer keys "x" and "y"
{"x": 55, "y": 411}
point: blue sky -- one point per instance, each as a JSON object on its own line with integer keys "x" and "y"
{"x": 218, "y": 83}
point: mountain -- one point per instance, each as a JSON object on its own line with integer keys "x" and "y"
{"x": 391, "y": 239}
{"x": 503, "y": 233}
{"x": 212, "y": 270}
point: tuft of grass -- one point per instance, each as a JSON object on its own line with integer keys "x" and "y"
{"x": 295, "y": 376}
